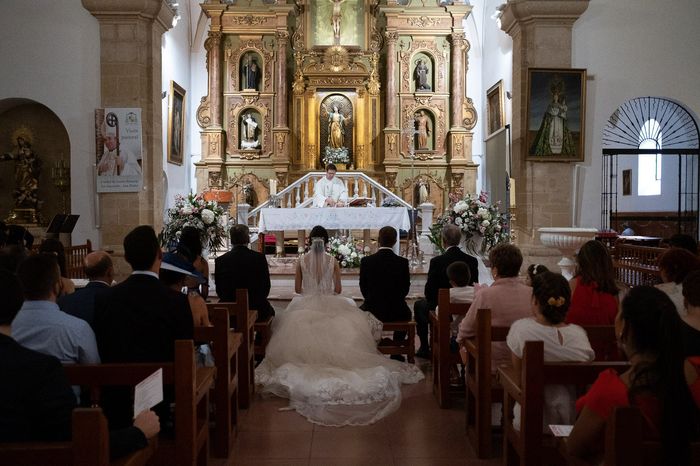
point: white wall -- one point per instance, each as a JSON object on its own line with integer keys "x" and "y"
{"x": 632, "y": 48}
{"x": 50, "y": 53}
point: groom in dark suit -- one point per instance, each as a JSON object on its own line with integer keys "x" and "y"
{"x": 437, "y": 279}
{"x": 243, "y": 268}
{"x": 385, "y": 281}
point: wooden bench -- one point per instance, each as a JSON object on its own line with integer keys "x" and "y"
{"x": 529, "y": 446}
{"x": 225, "y": 345}
{"x": 264, "y": 330}
{"x": 89, "y": 446}
{"x": 625, "y": 444}
{"x": 637, "y": 265}
{"x": 74, "y": 259}
{"x": 604, "y": 342}
{"x": 407, "y": 347}
{"x": 482, "y": 388}
{"x": 243, "y": 321}
{"x": 191, "y": 385}
{"x": 443, "y": 358}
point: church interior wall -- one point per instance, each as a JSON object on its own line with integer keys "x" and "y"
{"x": 50, "y": 53}
{"x": 198, "y": 83}
{"x": 633, "y": 48}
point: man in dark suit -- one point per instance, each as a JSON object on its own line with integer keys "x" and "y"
{"x": 100, "y": 272}
{"x": 437, "y": 279}
{"x": 385, "y": 281}
{"x": 139, "y": 319}
{"x": 242, "y": 268}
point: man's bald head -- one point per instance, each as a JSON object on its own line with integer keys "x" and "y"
{"x": 98, "y": 267}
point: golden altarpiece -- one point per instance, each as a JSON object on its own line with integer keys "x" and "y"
{"x": 393, "y": 75}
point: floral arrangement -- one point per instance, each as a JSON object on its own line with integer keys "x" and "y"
{"x": 346, "y": 250}
{"x": 336, "y": 155}
{"x": 193, "y": 210}
{"x": 477, "y": 219}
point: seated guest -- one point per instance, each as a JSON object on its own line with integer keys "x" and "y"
{"x": 551, "y": 297}
{"x": 384, "y": 283}
{"x": 243, "y": 268}
{"x": 40, "y": 324}
{"x": 55, "y": 247}
{"x": 647, "y": 329}
{"x": 674, "y": 265}
{"x": 175, "y": 269}
{"x": 99, "y": 270}
{"x": 11, "y": 257}
{"x": 36, "y": 401}
{"x": 683, "y": 241}
{"x": 508, "y": 298}
{"x": 190, "y": 245}
{"x": 690, "y": 322}
{"x": 593, "y": 289}
{"x": 139, "y": 320}
{"x": 437, "y": 279}
{"x": 460, "y": 292}
{"x": 19, "y": 236}
{"x": 532, "y": 271}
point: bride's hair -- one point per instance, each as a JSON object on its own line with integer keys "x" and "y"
{"x": 318, "y": 232}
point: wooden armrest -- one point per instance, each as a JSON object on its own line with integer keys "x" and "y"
{"x": 140, "y": 457}
{"x": 507, "y": 378}
{"x": 252, "y": 316}
{"x": 204, "y": 381}
{"x": 234, "y": 341}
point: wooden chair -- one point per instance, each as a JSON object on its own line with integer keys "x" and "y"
{"x": 408, "y": 347}
{"x": 243, "y": 321}
{"x": 264, "y": 329}
{"x": 529, "y": 446}
{"x": 482, "y": 388}
{"x": 443, "y": 358}
{"x": 89, "y": 446}
{"x": 191, "y": 444}
{"x": 625, "y": 444}
{"x": 74, "y": 259}
{"x": 225, "y": 345}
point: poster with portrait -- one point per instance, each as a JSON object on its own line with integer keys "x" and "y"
{"x": 494, "y": 107}
{"x": 118, "y": 135}
{"x": 556, "y": 114}
{"x": 176, "y": 124}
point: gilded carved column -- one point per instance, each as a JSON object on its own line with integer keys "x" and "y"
{"x": 459, "y": 44}
{"x": 215, "y": 92}
{"x": 391, "y": 38}
{"x": 281, "y": 91}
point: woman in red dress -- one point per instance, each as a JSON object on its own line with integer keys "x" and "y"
{"x": 648, "y": 330}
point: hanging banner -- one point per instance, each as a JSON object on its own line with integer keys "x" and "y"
{"x": 119, "y": 151}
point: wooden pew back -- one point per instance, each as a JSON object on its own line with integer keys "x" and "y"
{"x": 191, "y": 384}
{"x": 225, "y": 345}
{"x": 74, "y": 259}
{"x": 481, "y": 388}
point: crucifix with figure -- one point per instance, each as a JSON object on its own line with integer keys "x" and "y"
{"x": 335, "y": 19}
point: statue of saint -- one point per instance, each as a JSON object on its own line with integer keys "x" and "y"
{"x": 336, "y": 128}
{"x": 421, "y": 76}
{"x": 423, "y": 130}
{"x": 27, "y": 166}
{"x": 250, "y": 127}
{"x": 335, "y": 19}
{"x": 251, "y": 71}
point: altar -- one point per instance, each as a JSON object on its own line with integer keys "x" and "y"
{"x": 333, "y": 218}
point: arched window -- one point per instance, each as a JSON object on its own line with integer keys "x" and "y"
{"x": 649, "y": 165}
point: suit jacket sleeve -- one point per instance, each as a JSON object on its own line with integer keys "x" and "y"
{"x": 474, "y": 270}
{"x": 431, "y": 290}
{"x": 405, "y": 278}
{"x": 265, "y": 276}
{"x": 125, "y": 441}
{"x": 363, "y": 277}
{"x": 220, "y": 281}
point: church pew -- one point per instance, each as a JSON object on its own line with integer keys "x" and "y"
{"x": 529, "y": 446}
{"x": 191, "y": 386}
{"x": 625, "y": 444}
{"x": 443, "y": 358}
{"x": 264, "y": 330}
{"x": 89, "y": 446}
{"x": 225, "y": 346}
{"x": 482, "y": 389}
{"x": 604, "y": 342}
{"x": 243, "y": 321}
{"x": 408, "y": 347}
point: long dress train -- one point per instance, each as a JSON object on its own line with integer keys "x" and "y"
{"x": 324, "y": 358}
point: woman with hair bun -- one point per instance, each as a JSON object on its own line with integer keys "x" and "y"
{"x": 551, "y": 297}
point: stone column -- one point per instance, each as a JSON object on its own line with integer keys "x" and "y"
{"x": 457, "y": 91}
{"x": 215, "y": 91}
{"x": 130, "y": 74}
{"x": 281, "y": 91}
{"x": 391, "y": 38}
{"x": 541, "y": 32}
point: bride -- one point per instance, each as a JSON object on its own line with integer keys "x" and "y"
{"x": 323, "y": 355}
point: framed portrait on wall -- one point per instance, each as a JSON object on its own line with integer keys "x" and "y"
{"x": 556, "y": 114}
{"x": 494, "y": 108}
{"x": 176, "y": 124}
{"x": 626, "y": 182}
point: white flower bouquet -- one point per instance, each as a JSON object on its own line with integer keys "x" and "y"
{"x": 346, "y": 250}
{"x": 193, "y": 210}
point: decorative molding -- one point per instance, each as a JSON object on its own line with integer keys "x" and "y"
{"x": 203, "y": 113}
{"x": 424, "y": 22}
{"x": 249, "y": 20}
{"x": 469, "y": 114}
{"x": 233, "y": 56}
{"x": 373, "y": 83}
{"x": 236, "y": 106}
{"x": 429, "y": 47}
{"x": 336, "y": 81}
{"x": 298, "y": 86}
{"x": 437, "y": 108}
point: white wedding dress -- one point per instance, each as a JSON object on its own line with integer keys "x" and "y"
{"x": 324, "y": 358}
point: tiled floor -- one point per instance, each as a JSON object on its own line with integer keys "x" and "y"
{"x": 418, "y": 434}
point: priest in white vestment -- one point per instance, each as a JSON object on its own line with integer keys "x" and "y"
{"x": 330, "y": 191}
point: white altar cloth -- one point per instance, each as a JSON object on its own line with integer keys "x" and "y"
{"x": 334, "y": 218}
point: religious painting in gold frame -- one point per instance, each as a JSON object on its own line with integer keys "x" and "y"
{"x": 494, "y": 108}
{"x": 352, "y": 23}
{"x": 556, "y": 114}
{"x": 176, "y": 124}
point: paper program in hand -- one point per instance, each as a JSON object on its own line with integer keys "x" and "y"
{"x": 148, "y": 392}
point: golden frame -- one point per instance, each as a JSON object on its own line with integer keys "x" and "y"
{"x": 176, "y": 124}
{"x": 495, "y": 108}
{"x": 552, "y": 92}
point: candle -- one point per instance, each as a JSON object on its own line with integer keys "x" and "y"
{"x": 273, "y": 187}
